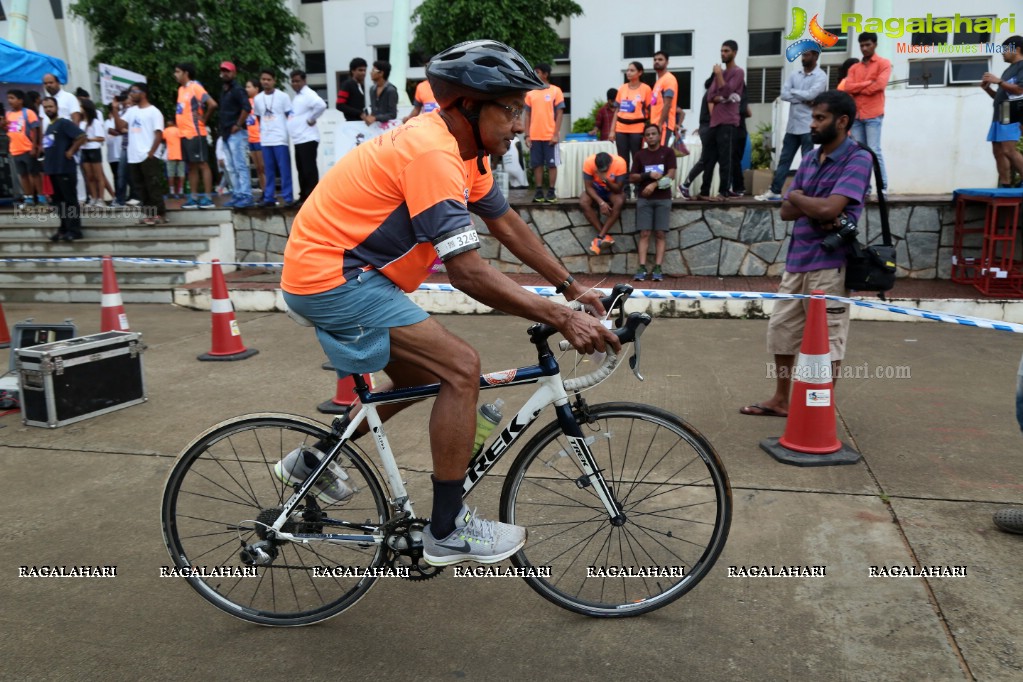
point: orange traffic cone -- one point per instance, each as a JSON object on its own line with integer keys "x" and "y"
{"x": 5, "y": 333}
{"x": 227, "y": 338}
{"x": 344, "y": 397}
{"x": 810, "y": 436}
{"x": 112, "y": 317}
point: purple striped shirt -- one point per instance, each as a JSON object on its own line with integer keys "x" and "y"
{"x": 847, "y": 172}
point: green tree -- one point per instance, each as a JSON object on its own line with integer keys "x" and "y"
{"x": 151, "y": 36}
{"x": 527, "y": 27}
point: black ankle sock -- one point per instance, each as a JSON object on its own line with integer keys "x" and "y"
{"x": 447, "y": 502}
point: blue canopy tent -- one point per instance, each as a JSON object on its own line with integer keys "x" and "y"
{"x": 18, "y": 65}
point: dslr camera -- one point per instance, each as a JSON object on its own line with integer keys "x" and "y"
{"x": 845, "y": 233}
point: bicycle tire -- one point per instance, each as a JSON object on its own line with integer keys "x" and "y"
{"x": 218, "y": 487}
{"x": 672, "y": 466}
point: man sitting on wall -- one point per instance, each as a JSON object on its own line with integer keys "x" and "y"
{"x": 604, "y": 178}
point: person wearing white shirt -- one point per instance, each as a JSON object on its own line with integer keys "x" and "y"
{"x": 144, "y": 124}
{"x": 305, "y": 109}
{"x": 67, "y": 107}
{"x": 273, "y": 108}
{"x": 67, "y": 104}
{"x": 800, "y": 88}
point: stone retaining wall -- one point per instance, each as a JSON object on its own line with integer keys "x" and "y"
{"x": 748, "y": 240}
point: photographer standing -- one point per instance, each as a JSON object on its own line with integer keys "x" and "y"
{"x": 826, "y": 201}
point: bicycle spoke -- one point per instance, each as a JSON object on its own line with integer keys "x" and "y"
{"x": 232, "y": 467}
{"x": 647, "y": 455}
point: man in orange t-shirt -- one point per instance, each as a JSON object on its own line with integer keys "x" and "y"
{"x": 866, "y": 83}
{"x": 663, "y": 96}
{"x": 23, "y": 131}
{"x": 544, "y": 110}
{"x": 604, "y": 178}
{"x": 193, "y": 111}
{"x": 372, "y": 229}
{"x": 175, "y": 164}
{"x": 424, "y": 102}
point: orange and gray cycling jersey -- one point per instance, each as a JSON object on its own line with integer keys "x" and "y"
{"x": 393, "y": 204}
{"x": 192, "y": 99}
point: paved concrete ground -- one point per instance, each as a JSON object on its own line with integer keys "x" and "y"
{"x": 941, "y": 453}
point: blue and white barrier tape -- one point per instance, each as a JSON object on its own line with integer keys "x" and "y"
{"x": 658, "y": 294}
{"x": 677, "y": 294}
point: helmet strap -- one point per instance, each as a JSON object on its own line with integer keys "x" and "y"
{"x": 473, "y": 117}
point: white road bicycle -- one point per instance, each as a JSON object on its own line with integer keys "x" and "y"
{"x": 627, "y": 507}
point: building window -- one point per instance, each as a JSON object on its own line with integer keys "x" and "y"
{"x": 563, "y": 56}
{"x": 930, "y": 73}
{"x": 58, "y": 9}
{"x": 316, "y": 62}
{"x": 383, "y": 53}
{"x": 643, "y": 45}
{"x": 956, "y": 36}
{"x": 638, "y": 46}
{"x": 565, "y": 83}
{"x": 843, "y": 39}
{"x": 3, "y": 17}
{"x": 677, "y": 44}
{"x": 763, "y": 85}
{"x": 764, "y": 43}
{"x": 832, "y": 71}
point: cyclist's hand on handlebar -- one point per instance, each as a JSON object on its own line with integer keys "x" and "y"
{"x": 587, "y": 334}
{"x": 589, "y": 298}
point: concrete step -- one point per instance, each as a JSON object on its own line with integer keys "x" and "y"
{"x": 37, "y": 231}
{"x": 29, "y": 292}
{"x": 137, "y": 247}
{"x": 47, "y": 275}
{"x": 104, "y": 217}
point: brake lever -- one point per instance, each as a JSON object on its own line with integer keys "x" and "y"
{"x": 634, "y": 360}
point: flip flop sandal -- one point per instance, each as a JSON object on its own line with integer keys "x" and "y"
{"x": 758, "y": 410}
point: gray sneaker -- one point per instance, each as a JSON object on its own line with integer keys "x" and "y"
{"x": 1010, "y": 520}
{"x": 474, "y": 539}
{"x": 300, "y": 462}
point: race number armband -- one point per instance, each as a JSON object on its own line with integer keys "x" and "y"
{"x": 458, "y": 241}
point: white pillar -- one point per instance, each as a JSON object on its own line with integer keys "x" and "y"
{"x": 885, "y": 45}
{"x": 401, "y": 18}
{"x": 18, "y": 22}
{"x": 76, "y": 37}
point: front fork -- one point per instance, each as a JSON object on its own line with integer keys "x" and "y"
{"x": 592, "y": 476}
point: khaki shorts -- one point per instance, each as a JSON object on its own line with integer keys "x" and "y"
{"x": 785, "y": 330}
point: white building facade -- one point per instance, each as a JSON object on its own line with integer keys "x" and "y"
{"x": 935, "y": 106}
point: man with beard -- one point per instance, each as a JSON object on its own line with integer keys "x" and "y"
{"x": 829, "y": 184}
{"x": 60, "y": 142}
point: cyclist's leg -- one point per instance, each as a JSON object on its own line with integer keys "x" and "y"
{"x": 414, "y": 351}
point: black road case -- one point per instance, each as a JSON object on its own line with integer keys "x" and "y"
{"x": 68, "y": 381}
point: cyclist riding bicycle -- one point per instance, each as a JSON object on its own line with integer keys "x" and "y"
{"x": 371, "y": 231}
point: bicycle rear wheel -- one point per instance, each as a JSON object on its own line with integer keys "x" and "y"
{"x": 675, "y": 498}
{"x": 222, "y": 494}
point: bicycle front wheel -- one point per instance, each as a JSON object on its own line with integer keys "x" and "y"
{"x": 223, "y": 494}
{"x": 676, "y": 504}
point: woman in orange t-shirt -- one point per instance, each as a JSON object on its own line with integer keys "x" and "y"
{"x": 633, "y": 111}
{"x": 252, "y": 125}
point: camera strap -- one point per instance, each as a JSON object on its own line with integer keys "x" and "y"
{"x": 882, "y": 200}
